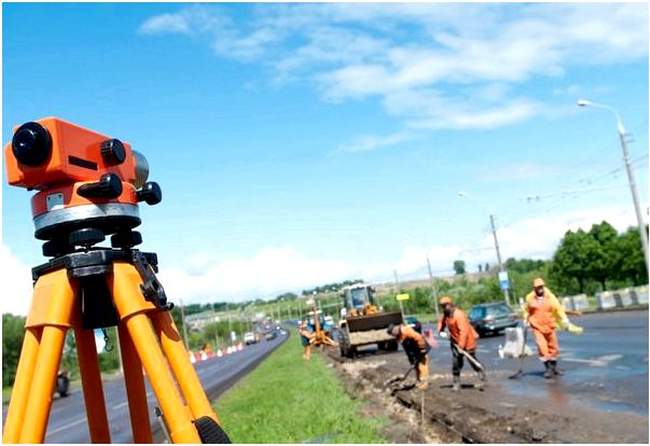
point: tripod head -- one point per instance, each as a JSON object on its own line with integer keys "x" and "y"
{"x": 88, "y": 184}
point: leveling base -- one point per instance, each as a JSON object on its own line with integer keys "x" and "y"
{"x": 93, "y": 289}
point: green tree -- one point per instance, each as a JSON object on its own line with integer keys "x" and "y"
{"x": 571, "y": 259}
{"x": 604, "y": 257}
{"x": 459, "y": 267}
{"x": 13, "y": 333}
{"x": 632, "y": 262}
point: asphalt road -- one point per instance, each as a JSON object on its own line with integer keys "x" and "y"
{"x": 67, "y": 423}
{"x": 605, "y": 368}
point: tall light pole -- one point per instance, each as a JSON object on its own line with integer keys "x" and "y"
{"x": 496, "y": 244}
{"x": 630, "y": 175}
{"x": 434, "y": 289}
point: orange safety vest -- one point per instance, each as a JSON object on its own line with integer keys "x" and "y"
{"x": 460, "y": 330}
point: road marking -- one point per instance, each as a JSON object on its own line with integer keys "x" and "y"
{"x": 65, "y": 426}
{"x": 119, "y": 406}
{"x": 601, "y": 361}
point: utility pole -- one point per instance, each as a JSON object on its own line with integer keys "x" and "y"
{"x": 496, "y": 246}
{"x": 635, "y": 195}
{"x": 630, "y": 176}
{"x": 184, "y": 325}
{"x": 434, "y": 289}
{"x": 401, "y": 306}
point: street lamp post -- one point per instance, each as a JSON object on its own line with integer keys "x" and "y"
{"x": 630, "y": 175}
{"x": 496, "y": 245}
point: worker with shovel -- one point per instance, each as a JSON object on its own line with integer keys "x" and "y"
{"x": 543, "y": 312}
{"x": 463, "y": 341}
{"x": 416, "y": 348}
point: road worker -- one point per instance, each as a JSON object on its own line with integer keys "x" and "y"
{"x": 306, "y": 337}
{"x": 416, "y": 348}
{"x": 463, "y": 337}
{"x": 543, "y": 312}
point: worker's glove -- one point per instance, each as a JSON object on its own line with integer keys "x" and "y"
{"x": 443, "y": 335}
{"x": 526, "y": 323}
{"x": 574, "y": 329}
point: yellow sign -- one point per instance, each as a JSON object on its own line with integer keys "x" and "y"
{"x": 404, "y": 296}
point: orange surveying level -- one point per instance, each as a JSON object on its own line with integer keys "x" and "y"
{"x": 88, "y": 187}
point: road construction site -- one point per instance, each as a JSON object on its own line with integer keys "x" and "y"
{"x": 601, "y": 397}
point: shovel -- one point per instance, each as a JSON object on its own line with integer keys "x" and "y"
{"x": 469, "y": 357}
{"x": 399, "y": 379}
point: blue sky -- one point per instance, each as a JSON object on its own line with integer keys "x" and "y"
{"x": 298, "y": 144}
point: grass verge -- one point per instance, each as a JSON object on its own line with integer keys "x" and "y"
{"x": 289, "y": 400}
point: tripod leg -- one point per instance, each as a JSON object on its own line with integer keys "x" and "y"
{"x": 46, "y": 368}
{"x": 92, "y": 386}
{"x": 176, "y": 414}
{"x": 22, "y": 386}
{"x": 135, "y": 389}
{"x": 181, "y": 366}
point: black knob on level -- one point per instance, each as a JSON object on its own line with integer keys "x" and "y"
{"x": 113, "y": 152}
{"x": 31, "y": 144}
{"x": 108, "y": 186}
{"x": 150, "y": 193}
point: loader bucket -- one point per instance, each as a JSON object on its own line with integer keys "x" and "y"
{"x": 373, "y": 321}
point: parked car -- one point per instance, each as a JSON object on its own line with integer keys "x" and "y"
{"x": 250, "y": 338}
{"x": 270, "y": 335}
{"x": 412, "y": 322}
{"x": 491, "y": 318}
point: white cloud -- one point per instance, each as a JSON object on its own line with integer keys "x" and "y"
{"x": 365, "y": 143}
{"x": 431, "y": 66}
{"x": 16, "y": 280}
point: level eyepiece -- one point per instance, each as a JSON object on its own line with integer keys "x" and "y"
{"x": 31, "y": 144}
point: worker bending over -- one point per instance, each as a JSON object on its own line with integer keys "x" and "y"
{"x": 543, "y": 312}
{"x": 416, "y": 349}
{"x": 463, "y": 336}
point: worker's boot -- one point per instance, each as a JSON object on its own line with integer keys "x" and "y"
{"x": 456, "y": 385}
{"x": 554, "y": 368}
{"x": 548, "y": 373}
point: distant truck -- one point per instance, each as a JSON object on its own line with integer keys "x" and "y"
{"x": 250, "y": 338}
{"x": 363, "y": 322}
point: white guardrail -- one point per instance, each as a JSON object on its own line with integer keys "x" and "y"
{"x": 622, "y": 298}
{"x": 608, "y": 299}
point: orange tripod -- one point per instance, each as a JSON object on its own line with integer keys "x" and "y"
{"x": 95, "y": 288}
{"x": 320, "y": 336}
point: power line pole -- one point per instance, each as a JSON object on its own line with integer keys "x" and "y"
{"x": 401, "y": 305}
{"x": 434, "y": 289}
{"x": 635, "y": 195}
{"x": 496, "y": 246}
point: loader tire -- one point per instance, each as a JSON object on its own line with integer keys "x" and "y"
{"x": 210, "y": 432}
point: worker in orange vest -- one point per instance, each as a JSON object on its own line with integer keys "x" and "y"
{"x": 543, "y": 312}
{"x": 416, "y": 348}
{"x": 462, "y": 335}
{"x": 306, "y": 339}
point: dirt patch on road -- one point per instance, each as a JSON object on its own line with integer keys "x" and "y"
{"x": 490, "y": 415}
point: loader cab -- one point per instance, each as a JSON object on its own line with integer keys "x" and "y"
{"x": 357, "y": 296}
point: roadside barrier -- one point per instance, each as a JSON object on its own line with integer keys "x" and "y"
{"x": 576, "y": 303}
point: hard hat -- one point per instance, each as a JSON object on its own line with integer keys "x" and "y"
{"x": 444, "y": 300}
{"x": 538, "y": 282}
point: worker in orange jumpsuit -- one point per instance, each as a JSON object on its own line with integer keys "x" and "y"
{"x": 306, "y": 338}
{"x": 462, "y": 335}
{"x": 543, "y": 312}
{"x": 416, "y": 348}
